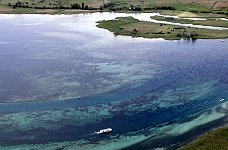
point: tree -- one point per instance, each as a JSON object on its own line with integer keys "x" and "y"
{"x": 101, "y": 8}
{"x": 86, "y": 7}
{"x": 83, "y": 5}
{"x": 75, "y": 6}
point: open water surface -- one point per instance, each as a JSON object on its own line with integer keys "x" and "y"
{"x": 62, "y": 79}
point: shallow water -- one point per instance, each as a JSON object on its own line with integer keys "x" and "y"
{"x": 62, "y": 79}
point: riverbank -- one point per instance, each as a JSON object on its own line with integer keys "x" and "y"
{"x": 172, "y": 7}
{"x": 8, "y": 10}
{"x": 128, "y": 26}
{"x": 214, "y": 139}
{"x": 189, "y": 139}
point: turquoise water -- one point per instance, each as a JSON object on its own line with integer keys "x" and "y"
{"x": 73, "y": 79}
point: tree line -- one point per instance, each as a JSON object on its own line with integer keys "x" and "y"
{"x": 20, "y": 4}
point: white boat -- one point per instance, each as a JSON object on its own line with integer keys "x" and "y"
{"x": 221, "y": 100}
{"x": 104, "y": 131}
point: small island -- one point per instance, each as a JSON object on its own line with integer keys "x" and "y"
{"x": 129, "y": 26}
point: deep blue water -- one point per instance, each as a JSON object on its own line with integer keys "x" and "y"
{"x": 69, "y": 65}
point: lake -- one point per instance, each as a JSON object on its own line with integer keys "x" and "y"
{"x": 62, "y": 79}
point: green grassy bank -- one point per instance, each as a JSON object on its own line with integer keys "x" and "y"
{"x": 49, "y": 6}
{"x": 201, "y": 7}
{"x": 129, "y": 26}
{"x": 212, "y": 140}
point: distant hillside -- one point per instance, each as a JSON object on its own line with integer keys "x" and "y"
{"x": 124, "y": 4}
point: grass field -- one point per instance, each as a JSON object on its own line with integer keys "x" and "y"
{"x": 199, "y": 6}
{"x": 47, "y": 6}
{"x": 210, "y": 4}
{"x": 135, "y": 28}
{"x": 194, "y": 6}
{"x": 214, "y": 140}
{"x": 92, "y": 3}
{"x": 7, "y": 10}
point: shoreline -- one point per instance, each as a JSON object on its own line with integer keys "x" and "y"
{"x": 164, "y": 136}
{"x": 199, "y": 138}
{"x": 169, "y": 141}
{"x": 79, "y": 11}
{"x": 50, "y": 12}
{"x": 179, "y": 141}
